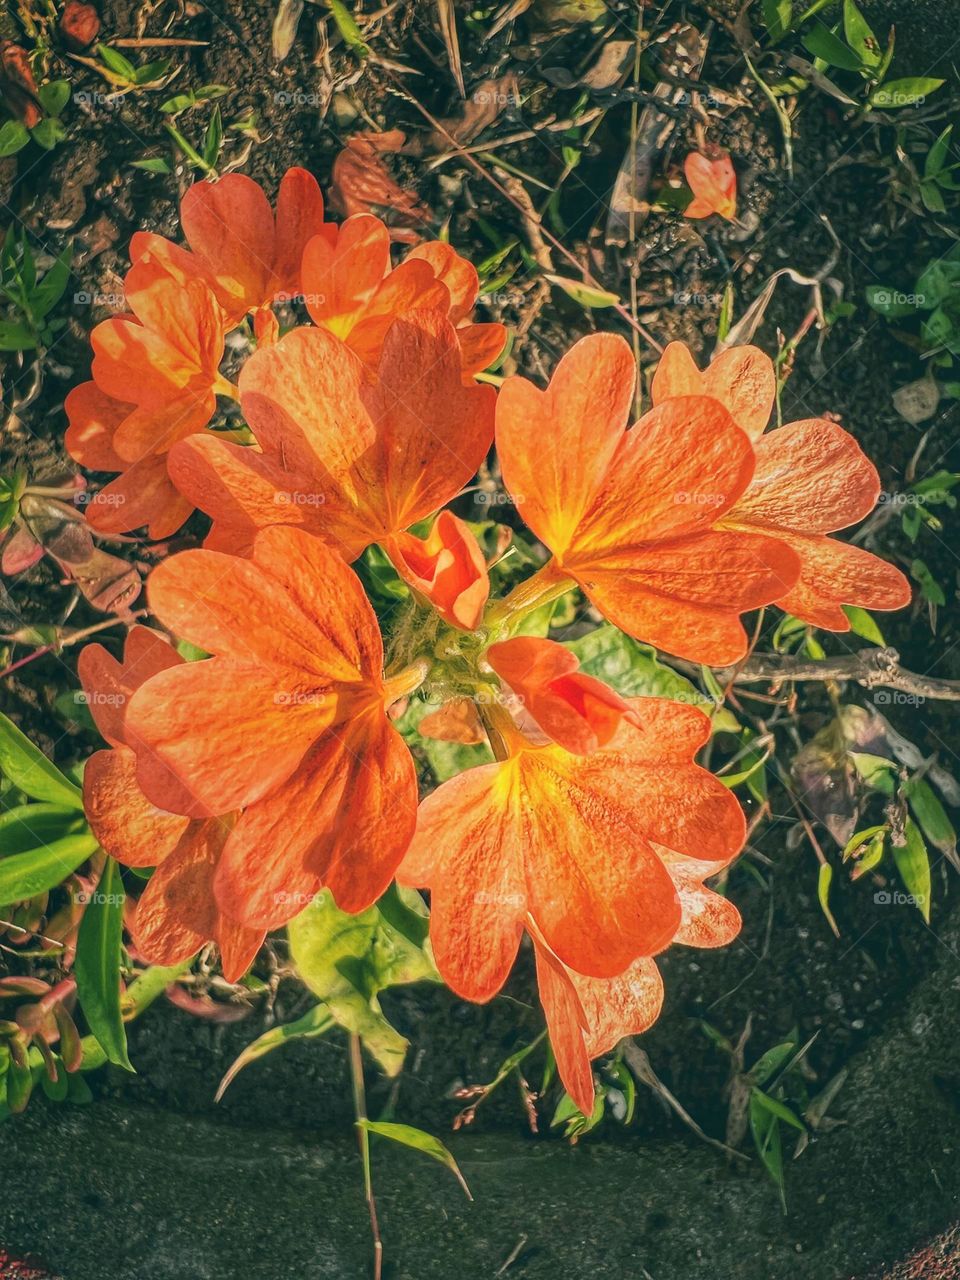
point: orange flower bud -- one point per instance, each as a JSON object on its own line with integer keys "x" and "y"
{"x": 79, "y": 25}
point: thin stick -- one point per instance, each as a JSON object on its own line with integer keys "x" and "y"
{"x": 871, "y": 668}
{"x": 363, "y": 1137}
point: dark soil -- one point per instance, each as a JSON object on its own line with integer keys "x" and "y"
{"x": 155, "y": 1180}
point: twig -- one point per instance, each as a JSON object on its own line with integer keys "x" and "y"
{"x": 871, "y": 668}
{"x": 363, "y": 1137}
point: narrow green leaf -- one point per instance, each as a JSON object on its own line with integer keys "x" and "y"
{"x": 53, "y": 285}
{"x": 24, "y": 875}
{"x": 585, "y": 294}
{"x": 824, "y": 43}
{"x": 117, "y": 63}
{"x": 213, "y": 139}
{"x": 937, "y": 155}
{"x": 315, "y": 1022}
{"x": 931, "y": 815}
{"x": 408, "y": 1136}
{"x": 913, "y": 863}
{"x": 97, "y": 965}
{"x": 909, "y": 92}
{"x": 31, "y": 772}
{"x": 863, "y": 624}
{"x": 824, "y": 881}
{"x": 777, "y": 1108}
{"x": 28, "y": 826}
{"x": 859, "y": 36}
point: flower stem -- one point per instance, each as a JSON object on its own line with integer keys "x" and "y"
{"x": 405, "y": 681}
{"x": 363, "y": 1137}
{"x": 548, "y": 583}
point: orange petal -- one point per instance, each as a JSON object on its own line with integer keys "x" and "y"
{"x": 447, "y": 567}
{"x": 341, "y": 276}
{"x": 714, "y": 185}
{"x": 243, "y": 490}
{"x": 109, "y": 684}
{"x": 143, "y": 495}
{"x": 93, "y": 418}
{"x": 467, "y": 849}
{"x": 177, "y": 914}
{"x": 575, "y": 710}
{"x": 156, "y": 427}
{"x": 811, "y": 477}
{"x": 587, "y": 1017}
{"x": 685, "y": 596}
{"x": 555, "y": 446}
{"x": 480, "y": 345}
{"x": 299, "y": 219}
{"x": 456, "y": 721}
{"x": 459, "y": 275}
{"x": 129, "y": 827}
{"x": 834, "y": 573}
{"x": 742, "y": 379}
{"x": 359, "y": 786}
{"x": 216, "y": 735}
{"x": 410, "y": 287}
{"x": 708, "y": 918}
{"x": 185, "y": 314}
{"x": 229, "y": 226}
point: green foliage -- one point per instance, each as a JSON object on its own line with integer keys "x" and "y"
{"x": 314, "y": 1023}
{"x": 347, "y": 960}
{"x": 407, "y": 1136}
{"x": 97, "y": 965}
{"x": 29, "y": 299}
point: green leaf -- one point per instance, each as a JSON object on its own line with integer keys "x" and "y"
{"x": 347, "y": 960}
{"x": 97, "y": 965}
{"x": 117, "y": 63}
{"x": 765, "y": 1128}
{"x": 777, "y": 16}
{"x": 769, "y": 1063}
{"x": 154, "y": 165}
{"x": 937, "y": 155}
{"x": 859, "y": 36}
{"x": 213, "y": 139}
{"x": 931, "y": 589}
{"x": 48, "y": 133}
{"x": 777, "y": 1108}
{"x": 877, "y": 771}
{"x": 824, "y": 881}
{"x": 14, "y": 136}
{"x": 24, "y": 875}
{"x": 910, "y": 92}
{"x": 862, "y": 838}
{"x": 53, "y": 285}
{"x": 348, "y": 28}
{"x": 938, "y": 283}
{"x": 931, "y": 815}
{"x": 188, "y": 150}
{"x": 54, "y": 96}
{"x": 913, "y": 863}
{"x": 315, "y": 1022}
{"x": 31, "y": 772}
{"x": 634, "y": 671}
{"x": 16, "y": 337}
{"x": 28, "y": 826}
{"x": 824, "y": 43}
{"x": 585, "y": 294}
{"x": 408, "y": 1136}
{"x": 862, "y": 624}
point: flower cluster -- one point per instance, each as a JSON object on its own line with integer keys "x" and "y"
{"x": 270, "y": 769}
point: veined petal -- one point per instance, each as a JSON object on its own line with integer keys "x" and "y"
{"x": 685, "y": 597}
{"x": 467, "y": 849}
{"x": 741, "y": 378}
{"x": 555, "y": 446}
{"x": 457, "y": 273}
{"x": 143, "y": 495}
{"x": 299, "y": 218}
{"x": 131, "y": 828}
{"x": 341, "y": 275}
{"x": 93, "y": 418}
{"x": 834, "y": 573}
{"x": 811, "y": 477}
{"x": 109, "y": 684}
{"x": 229, "y": 226}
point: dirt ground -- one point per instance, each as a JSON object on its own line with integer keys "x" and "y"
{"x": 147, "y": 1180}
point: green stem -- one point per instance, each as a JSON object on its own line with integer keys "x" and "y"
{"x": 363, "y": 1137}
{"x": 548, "y": 583}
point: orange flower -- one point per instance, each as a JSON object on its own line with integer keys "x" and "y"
{"x": 176, "y": 913}
{"x": 576, "y": 711}
{"x": 286, "y": 722}
{"x": 143, "y": 494}
{"x": 587, "y": 1017}
{"x": 155, "y": 380}
{"x": 351, "y": 458}
{"x": 811, "y": 479}
{"x": 249, "y": 257}
{"x": 633, "y": 516}
{"x": 569, "y": 846}
{"x": 714, "y": 186}
{"x": 350, "y": 290}
{"x": 447, "y": 568}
